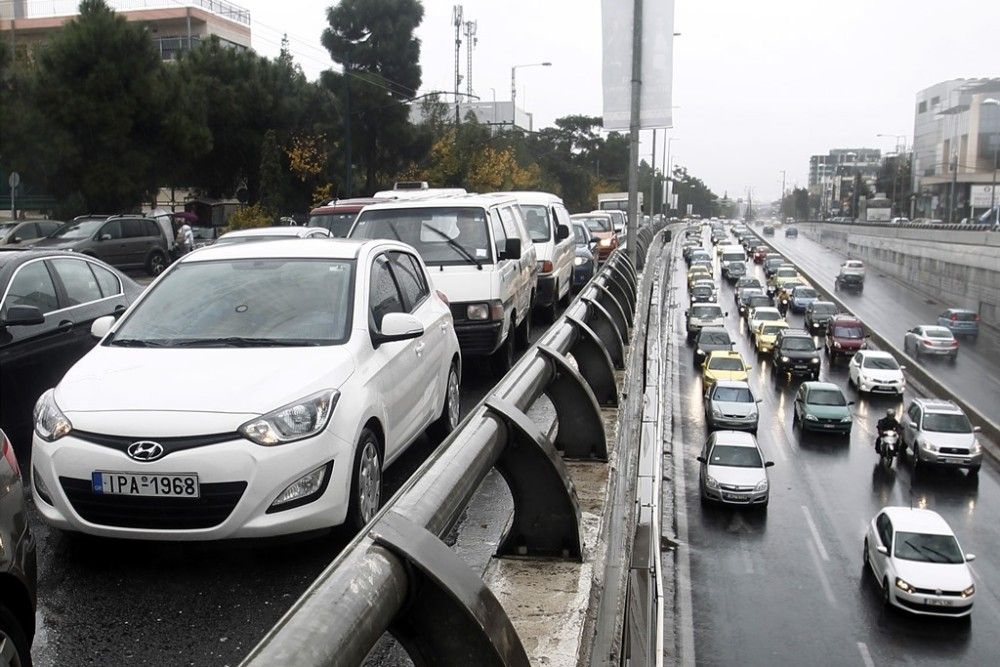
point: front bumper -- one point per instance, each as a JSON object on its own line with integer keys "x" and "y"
{"x": 764, "y": 346}
{"x": 239, "y": 480}
{"x": 950, "y": 460}
{"x": 735, "y": 497}
{"x": 733, "y": 423}
{"x": 875, "y": 387}
{"x": 927, "y": 604}
{"x": 843, "y": 428}
{"x": 794, "y": 367}
{"x": 479, "y": 338}
{"x": 546, "y": 292}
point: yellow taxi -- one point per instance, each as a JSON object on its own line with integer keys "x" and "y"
{"x": 723, "y": 365}
{"x": 767, "y": 334}
{"x": 698, "y": 273}
{"x": 783, "y": 275}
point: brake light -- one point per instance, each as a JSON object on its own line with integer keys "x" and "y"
{"x": 977, "y": 318}
{"x": 926, "y": 343}
{"x": 954, "y": 318}
{"x": 954, "y": 343}
{"x": 8, "y": 454}
{"x": 546, "y": 266}
{"x": 443, "y": 297}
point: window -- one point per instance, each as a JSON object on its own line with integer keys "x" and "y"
{"x": 112, "y": 230}
{"x": 132, "y": 229}
{"x": 445, "y": 235}
{"x": 536, "y": 219}
{"x": 830, "y": 397}
{"x": 410, "y": 278}
{"x": 884, "y": 529}
{"x": 733, "y": 395}
{"x": 78, "y": 281}
{"x": 880, "y": 363}
{"x": 384, "y": 297}
{"x": 946, "y": 422}
{"x": 32, "y": 286}
{"x": 928, "y": 548}
{"x": 914, "y": 414}
{"x": 151, "y": 228}
{"x": 338, "y": 224}
{"x": 109, "y": 282}
{"x": 499, "y": 235}
{"x": 922, "y": 107}
{"x": 935, "y": 101}
{"x": 735, "y": 456}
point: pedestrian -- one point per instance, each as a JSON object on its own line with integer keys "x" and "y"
{"x": 184, "y": 239}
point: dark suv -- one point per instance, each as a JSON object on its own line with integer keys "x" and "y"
{"x": 795, "y": 353}
{"x": 845, "y": 335}
{"x": 125, "y": 242}
{"x": 818, "y": 315}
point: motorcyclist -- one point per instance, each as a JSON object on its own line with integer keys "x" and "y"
{"x": 887, "y": 423}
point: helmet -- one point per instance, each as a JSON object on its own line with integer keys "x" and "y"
{"x": 890, "y": 413}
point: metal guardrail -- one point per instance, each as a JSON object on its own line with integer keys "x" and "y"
{"x": 398, "y": 576}
{"x": 888, "y": 225}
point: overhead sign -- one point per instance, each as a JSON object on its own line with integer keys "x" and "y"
{"x": 657, "y": 63}
{"x": 981, "y": 196}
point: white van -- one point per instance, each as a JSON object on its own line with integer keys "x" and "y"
{"x": 548, "y": 225}
{"x": 478, "y": 254}
{"x": 731, "y": 253}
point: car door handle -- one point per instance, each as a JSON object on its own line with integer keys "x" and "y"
{"x": 419, "y": 349}
{"x": 444, "y": 326}
{"x": 65, "y": 326}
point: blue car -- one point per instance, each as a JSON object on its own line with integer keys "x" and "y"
{"x": 801, "y": 297}
{"x": 960, "y": 322}
{"x": 584, "y": 263}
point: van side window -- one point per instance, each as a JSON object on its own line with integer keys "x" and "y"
{"x": 513, "y": 222}
{"x": 499, "y": 234}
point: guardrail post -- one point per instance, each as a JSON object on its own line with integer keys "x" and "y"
{"x": 451, "y": 617}
{"x": 546, "y": 518}
{"x": 627, "y": 278}
{"x": 628, "y": 266}
{"x": 623, "y": 292}
{"x": 607, "y": 330}
{"x": 581, "y": 431}
{"x": 594, "y": 362}
{"x": 609, "y": 290}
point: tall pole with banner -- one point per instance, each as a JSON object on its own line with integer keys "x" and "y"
{"x": 633, "y": 135}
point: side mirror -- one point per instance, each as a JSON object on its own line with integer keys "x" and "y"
{"x": 104, "y": 237}
{"x": 398, "y": 327}
{"x": 512, "y": 249}
{"x": 593, "y": 242}
{"x": 101, "y": 326}
{"x": 23, "y": 316}
{"x": 726, "y": 314}
{"x": 769, "y": 464}
{"x": 970, "y": 557}
{"x": 14, "y": 239}
{"x": 902, "y": 368}
{"x": 977, "y": 429}
{"x": 882, "y": 550}
{"x": 687, "y": 313}
{"x": 562, "y": 232}
{"x": 760, "y": 400}
{"x": 702, "y": 459}
{"x": 850, "y": 402}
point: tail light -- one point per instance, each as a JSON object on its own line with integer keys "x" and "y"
{"x": 954, "y": 343}
{"x": 977, "y": 318}
{"x": 8, "y": 454}
{"x": 545, "y": 266}
{"x": 926, "y": 343}
{"x": 954, "y": 318}
{"x": 443, "y": 297}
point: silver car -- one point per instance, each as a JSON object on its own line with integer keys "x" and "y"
{"x": 930, "y": 340}
{"x": 704, "y": 315}
{"x": 731, "y": 404}
{"x": 733, "y": 470}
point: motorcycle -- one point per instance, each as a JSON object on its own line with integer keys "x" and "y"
{"x": 888, "y": 446}
{"x": 783, "y": 307}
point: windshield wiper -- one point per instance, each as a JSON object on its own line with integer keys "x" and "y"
{"x": 462, "y": 250}
{"x": 922, "y": 549}
{"x": 243, "y": 341}
{"x": 135, "y": 342}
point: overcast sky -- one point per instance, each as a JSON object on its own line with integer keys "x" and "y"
{"x": 760, "y": 85}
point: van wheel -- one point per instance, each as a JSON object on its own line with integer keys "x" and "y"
{"x": 156, "y": 263}
{"x": 549, "y": 312}
{"x": 14, "y": 647}
{"x": 503, "y": 359}
{"x": 523, "y": 333}
{"x": 366, "y": 482}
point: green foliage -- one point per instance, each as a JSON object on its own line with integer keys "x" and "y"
{"x": 270, "y": 175}
{"x": 249, "y": 217}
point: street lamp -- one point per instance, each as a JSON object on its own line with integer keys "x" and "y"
{"x": 513, "y": 83}
{"x": 901, "y": 140}
{"x": 996, "y": 147}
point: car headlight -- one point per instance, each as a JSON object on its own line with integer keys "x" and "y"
{"x": 605, "y": 243}
{"x": 784, "y": 360}
{"x": 845, "y": 420}
{"x": 717, "y": 412}
{"x": 814, "y": 360}
{"x": 711, "y": 482}
{"x": 836, "y": 344}
{"x": 969, "y": 592}
{"x": 478, "y": 311}
{"x": 928, "y": 446}
{"x": 701, "y": 353}
{"x": 811, "y": 418}
{"x": 295, "y": 421}
{"x": 579, "y": 261}
{"x": 761, "y": 486}
{"x": 975, "y": 448}
{"x": 50, "y": 423}
{"x": 903, "y": 586}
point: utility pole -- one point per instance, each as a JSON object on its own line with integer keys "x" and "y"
{"x": 457, "y": 19}
{"x": 652, "y": 180}
{"x": 634, "y": 123}
{"x": 347, "y": 134}
{"x": 471, "y": 41}
{"x": 783, "y": 194}
{"x": 951, "y": 195}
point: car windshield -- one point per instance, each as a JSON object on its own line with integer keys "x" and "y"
{"x": 725, "y": 364}
{"x": 6, "y": 227}
{"x": 536, "y": 219}
{"x": 826, "y": 397}
{"x": 735, "y": 457}
{"x": 78, "y": 230}
{"x": 597, "y": 224}
{"x": 848, "y": 332}
{"x": 203, "y": 233}
{"x": 881, "y": 363}
{"x": 733, "y": 395}
{"x": 255, "y": 237}
{"x": 804, "y": 293}
{"x": 706, "y": 311}
{"x": 759, "y": 300}
{"x": 442, "y": 235}
{"x": 823, "y": 309}
{"x": 338, "y": 224}
{"x": 714, "y": 338}
{"x": 937, "y": 333}
{"x": 732, "y": 256}
{"x": 702, "y": 290}
{"x": 798, "y": 344}
{"x": 770, "y": 329}
{"x": 928, "y": 548}
{"x": 766, "y": 316}
{"x": 947, "y": 422}
{"x": 245, "y": 303}
{"x": 787, "y": 273}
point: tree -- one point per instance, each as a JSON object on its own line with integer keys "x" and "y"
{"x": 374, "y": 41}
{"x": 101, "y": 88}
{"x": 270, "y": 175}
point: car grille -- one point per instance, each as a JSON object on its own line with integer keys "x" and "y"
{"x": 932, "y": 591}
{"x": 827, "y": 420}
{"x": 170, "y": 445}
{"x": 954, "y": 450}
{"x": 477, "y": 340}
{"x": 741, "y": 489}
{"x": 216, "y": 503}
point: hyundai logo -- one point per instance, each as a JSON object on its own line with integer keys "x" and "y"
{"x": 145, "y": 450}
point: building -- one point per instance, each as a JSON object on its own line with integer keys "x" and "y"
{"x": 956, "y": 132}
{"x": 175, "y": 25}
{"x": 499, "y": 114}
{"x": 832, "y": 178}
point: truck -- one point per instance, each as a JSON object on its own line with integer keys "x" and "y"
{"x": 615, "y": 201}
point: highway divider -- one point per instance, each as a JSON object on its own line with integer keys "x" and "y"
{"x": 399, "y": 576}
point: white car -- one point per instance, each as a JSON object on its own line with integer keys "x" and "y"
{"x": 733, "y": 470}
{"x": 872, "y": 371}
{"x": 938, "y": 433}
{"x": 917, "y": 562}
{"x": 760, "y": 315}
{"x": 273, "y": 234}
{"x": 253, "y": 390}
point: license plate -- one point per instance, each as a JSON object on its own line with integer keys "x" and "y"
{"x": 734, "y": 496}
{"x": 944, "y": 459}
{"x": 828, "y": 425}
{"x": 133, "y": 484}
{"x": 937, "y": 602}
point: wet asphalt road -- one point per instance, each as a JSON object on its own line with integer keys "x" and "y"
{"x": 786, "y": 586}
{"x": 891, "y": 308}
{"x": 114, "y": 602}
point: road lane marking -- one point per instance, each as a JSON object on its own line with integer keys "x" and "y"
{"x": 824, "y": 582}
{"x": 866, "y": 656}
{"x": 815, "y": 534}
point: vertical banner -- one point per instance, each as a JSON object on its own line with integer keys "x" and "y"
{"x": 657, "y": 63}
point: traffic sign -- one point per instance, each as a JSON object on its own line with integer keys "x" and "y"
{"x": 14, "y": 180}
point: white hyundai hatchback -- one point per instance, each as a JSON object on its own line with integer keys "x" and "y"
{"x": 253, "y": 390}
{"x": 917, "y": 561}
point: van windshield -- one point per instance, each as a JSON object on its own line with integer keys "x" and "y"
{"x": 338, "y": 224}
{"x": 445, "y": 235}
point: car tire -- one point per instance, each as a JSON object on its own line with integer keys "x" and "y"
{"x": 366, "y": 481}
{"x": 451, "y": 411}
{"x": 502, "y": 360}
{"x": 156, "y": 263}
{"x": 522, "y": 334}
{"x": 886, "y": 600}
{"x": 974, "y": 471}
{"x": 864, "y": 557}
{"x": 548, "y": 313}
{"x": 796, "y": 423}
{"x": 11, "y": 630}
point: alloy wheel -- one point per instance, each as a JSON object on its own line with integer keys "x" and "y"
{"x": 369, "y": 481}
{"x": 454, "y": 400}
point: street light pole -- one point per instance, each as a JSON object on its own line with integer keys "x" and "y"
{"x": 652, "y": 180}
{"x": 783, "y": 194}
{"x": 996, "y": 147}
{"x": 634, "y": 125}
{"x": 513, "y": 86}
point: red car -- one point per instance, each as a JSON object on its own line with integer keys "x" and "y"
{"x": 759, "y": 253}
{"x": 845, "y": 335}
{"x": 339, "y": 215}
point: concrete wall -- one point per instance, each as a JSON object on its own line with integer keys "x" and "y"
{"x": 960, "y": 268}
